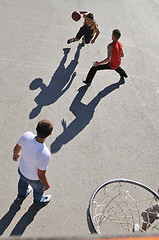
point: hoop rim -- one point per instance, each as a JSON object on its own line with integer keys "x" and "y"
{"x": 89, "y": 211}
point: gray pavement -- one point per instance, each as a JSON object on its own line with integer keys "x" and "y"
{"x": 110, "y": 132}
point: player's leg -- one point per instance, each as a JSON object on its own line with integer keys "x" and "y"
{"x": 38, "y": 193}
{"x": 93, "y": 71}
{"x": 149, "y": 216}
{"x": 121, "y": 72}
{"x": 88, "y": 34}
{"x": 23, "y": 188}
{"x": 78, "y": 36}
{"x": 87, "y": 39}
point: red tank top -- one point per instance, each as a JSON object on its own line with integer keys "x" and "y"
{"x": 116, "y": 55}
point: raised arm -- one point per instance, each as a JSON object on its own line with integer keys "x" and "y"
{"x": 84, "y": 13}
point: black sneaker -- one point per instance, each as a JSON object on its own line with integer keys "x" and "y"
{"x": 70, "y": 40}
{"x": 125, "y": 75}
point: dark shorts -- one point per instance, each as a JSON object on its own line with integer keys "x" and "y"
{"x": 85, "y": 31}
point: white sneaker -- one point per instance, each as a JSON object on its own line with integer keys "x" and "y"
{"x": 136, "y": 228}
{"x": 45, "y": 199}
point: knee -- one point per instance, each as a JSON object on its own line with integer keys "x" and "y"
{"x": 87, "y": 41}
{"x": 94, "y": 68}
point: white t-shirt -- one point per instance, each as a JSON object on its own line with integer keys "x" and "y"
{"x": 34, "y": 155}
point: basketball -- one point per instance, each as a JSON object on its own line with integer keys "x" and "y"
{"x": 76, "y": 16}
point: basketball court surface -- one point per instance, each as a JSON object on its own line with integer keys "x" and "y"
{"x": 103, "y": 132}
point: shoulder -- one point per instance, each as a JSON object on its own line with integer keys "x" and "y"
{"x": 46, "y": 152}
{"x": 109, "y": 46}
{"x": 94, "y": 24}
{"x": 119, "y": 43}
{"x": 26, "y": 136}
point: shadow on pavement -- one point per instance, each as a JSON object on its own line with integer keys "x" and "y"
{"x": 8, "y": 217}
{"x": 59, "y": 84}
{"x": 83, "y": 113}
{"x": 27, "y": 219}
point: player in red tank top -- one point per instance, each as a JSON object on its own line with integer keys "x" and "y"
{"x": 113, "y": 60}
{"x": 117, "y": 53}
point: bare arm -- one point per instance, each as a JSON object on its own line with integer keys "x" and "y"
{"x": 16, "y": 152}
{"x": 97, "y": 32}
{"x": 84, "y": 13}
{"x": 107, "y": 59}
{"x": 43, "y": 179}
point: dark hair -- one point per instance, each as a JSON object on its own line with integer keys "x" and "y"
{"x": 90, "y": 15}
{"x": 116, "y": 33}
{"x": 44, "y": 128}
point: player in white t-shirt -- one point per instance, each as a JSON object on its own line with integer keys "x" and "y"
{"x": 34, "y": 158}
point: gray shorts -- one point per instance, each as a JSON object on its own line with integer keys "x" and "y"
{"x": 151, "y": 214}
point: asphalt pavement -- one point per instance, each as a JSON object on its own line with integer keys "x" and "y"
{"x": 103, "y": 132}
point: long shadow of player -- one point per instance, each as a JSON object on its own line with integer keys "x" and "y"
{"x": 83, "y": 114}
{"x": 59, "y": 84}
{"x": 8, "y": 217}
{"x": 26, "y": 219}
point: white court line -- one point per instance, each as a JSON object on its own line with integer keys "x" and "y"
{"x": 10, "y": 61}
{"x": 66, "y": 27}
{"x": 34, "y": 23}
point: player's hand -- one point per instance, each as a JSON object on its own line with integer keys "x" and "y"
{"x": 46, "y": 187}
{"x": 16, "y": 157}
{"x": 93, "y": 41}
{"x": 96, "y": 63}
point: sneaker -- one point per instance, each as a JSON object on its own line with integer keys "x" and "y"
{"x": 125, "y": 75}
{"x": 29, "y": 189}
{"x": 136, "y": 228}
{"x": 45, "y": 199}
{"x": 87, "y": 83}
{"x": 70, "y": 40}
{"x": 83, "y": 42}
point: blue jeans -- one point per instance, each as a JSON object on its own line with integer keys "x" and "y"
{"x": 36, "y": 185}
